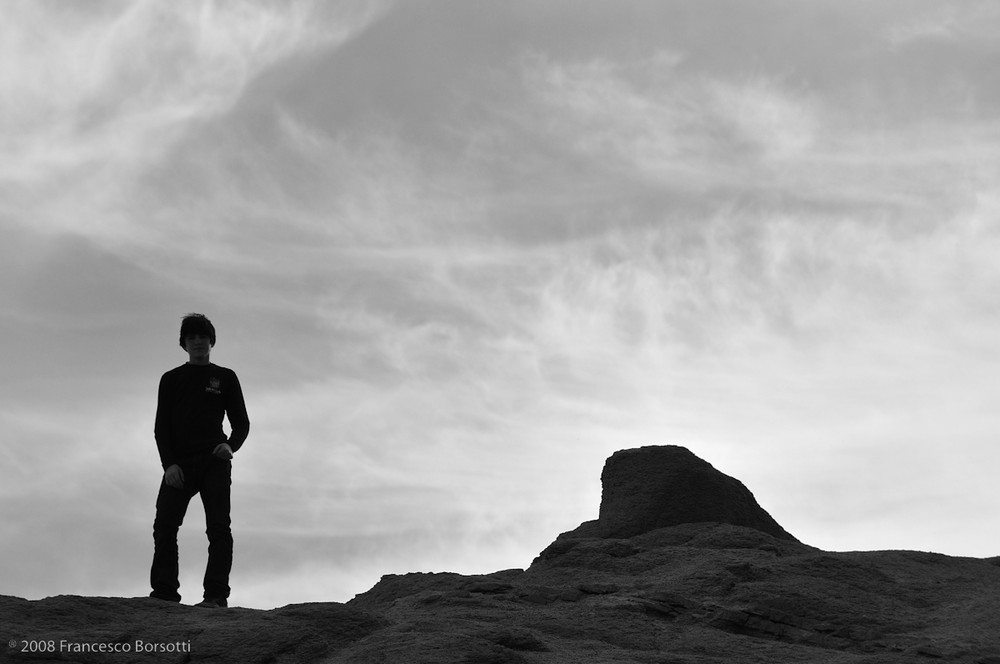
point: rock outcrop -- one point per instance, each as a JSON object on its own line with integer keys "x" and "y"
{"x": 655, "y": 487}
{"x": 707, "y": 591}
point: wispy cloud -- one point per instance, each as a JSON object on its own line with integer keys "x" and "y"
{"x": 672, "y": 127}
{"x": 971, "y": 22}
{"x": 131, "y": 79}
{"x": 755, "y": 138}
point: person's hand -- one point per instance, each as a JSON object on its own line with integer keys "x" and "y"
{"x": 223, "y": 451}
{"x": 174, "y": 476}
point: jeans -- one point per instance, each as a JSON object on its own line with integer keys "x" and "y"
{"x": 212, "y": 478}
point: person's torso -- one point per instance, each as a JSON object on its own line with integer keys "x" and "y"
{"x": 197, "y": 396}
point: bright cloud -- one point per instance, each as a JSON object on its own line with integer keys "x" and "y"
{"x": 132, "y": 79}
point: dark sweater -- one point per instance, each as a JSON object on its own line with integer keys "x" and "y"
{"x": 190, "y": 406}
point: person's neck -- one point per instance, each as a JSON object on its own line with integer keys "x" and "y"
{"x": 199, "y": 361}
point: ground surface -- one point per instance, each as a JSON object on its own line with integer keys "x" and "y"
{"x": 679, "y": 595}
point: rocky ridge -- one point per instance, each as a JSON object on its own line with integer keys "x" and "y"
{"x": 681, "y": 567}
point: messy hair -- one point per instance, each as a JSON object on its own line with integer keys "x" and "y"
{"x": 197, "y": 324}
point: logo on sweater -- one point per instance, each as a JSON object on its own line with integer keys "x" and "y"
{"x": 213, "y": 386}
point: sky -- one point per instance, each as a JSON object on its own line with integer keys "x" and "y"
{"x": 459, "y": 252}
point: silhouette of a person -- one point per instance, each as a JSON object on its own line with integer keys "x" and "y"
{"x": 196, "y": 458}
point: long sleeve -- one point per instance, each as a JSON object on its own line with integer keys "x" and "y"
{"x": 236, "y": 412}
{"x": 162, "y": 429}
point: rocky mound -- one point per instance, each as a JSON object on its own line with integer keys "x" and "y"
{"x": 655, "y": 487}
{"x": 686, "y": 593}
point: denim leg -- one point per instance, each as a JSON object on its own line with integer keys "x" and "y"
{"x": 215, "y": 496}
{"x": 171, "y": 506}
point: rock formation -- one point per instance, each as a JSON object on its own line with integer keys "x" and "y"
{"x": 695, "y": 572}
{"x": 656, "y": 487}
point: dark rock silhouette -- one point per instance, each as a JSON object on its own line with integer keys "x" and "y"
{"x": 718, "y": 583}
{"x": 655, "y": 487}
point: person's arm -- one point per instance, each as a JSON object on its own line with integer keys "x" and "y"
{"x": 162, "y": 429}
{"x": 236, "y": 411}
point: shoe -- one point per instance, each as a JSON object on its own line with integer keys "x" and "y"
{"x": 165, "y": 597}
{"x": 213, "y": 603}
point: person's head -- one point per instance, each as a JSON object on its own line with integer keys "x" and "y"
{"x": 196, "y": 325}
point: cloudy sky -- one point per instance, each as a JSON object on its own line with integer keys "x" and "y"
{"x": 461, "y": 251}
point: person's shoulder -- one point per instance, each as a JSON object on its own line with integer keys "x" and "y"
{"x": 223, "y": 370}
{"x": 176, "y": 371}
